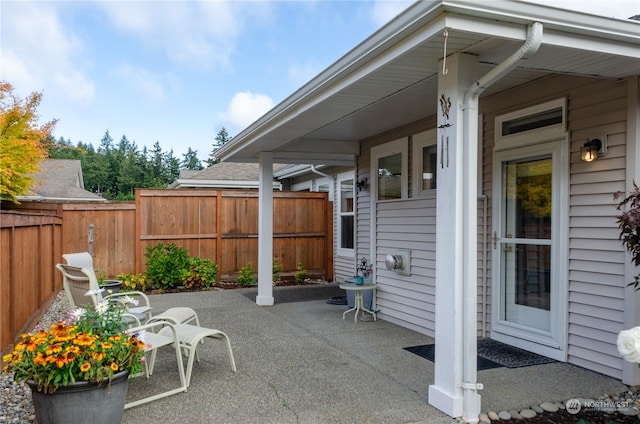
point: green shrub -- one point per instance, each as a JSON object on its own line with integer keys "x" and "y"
{"x": 246, "y": 277}
{"x": 202, "y": 273}
{"x": 166, "y": 265}
{"x": 301, "y": 273}
{"x": 133, "y": 282}
{"x": 276, "y": 269}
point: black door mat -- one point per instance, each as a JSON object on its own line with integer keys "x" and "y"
{"x": 337, "y": 300}
{"x": 491, "y": 354}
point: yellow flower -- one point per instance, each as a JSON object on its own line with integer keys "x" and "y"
{"x": 7, "y": 357}
{"x": 114, "y": 366}
{"x": 107, "y": 345}
{"x": 98, "y": 356}
{"x": 85, "y": 367}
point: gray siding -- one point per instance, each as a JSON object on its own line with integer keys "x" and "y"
{"x": 407, "y": 300}
{"x": 596, "y": 257}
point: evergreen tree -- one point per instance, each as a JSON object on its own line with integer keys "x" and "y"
{"x": 190, "y": 160}
{"x": 221, "y": 139}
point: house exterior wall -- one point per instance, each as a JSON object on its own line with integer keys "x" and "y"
{"x": 596, "y": 268}
{"x": 597, "y": 259}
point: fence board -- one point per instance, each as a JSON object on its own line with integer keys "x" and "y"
{"x": 28, "y": 285}
{"x": 221, "y": 225}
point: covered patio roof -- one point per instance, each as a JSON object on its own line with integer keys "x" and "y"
{"x": 391, "y": 78}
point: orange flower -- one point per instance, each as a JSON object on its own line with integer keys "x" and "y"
{"x": 85, "y": 367}
{"x": 98, "y": 356}
{"x": 114, "y": 366}
{"x": 107, "y": 345}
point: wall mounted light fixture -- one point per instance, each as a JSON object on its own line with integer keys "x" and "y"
{"x": 362, "y": 184}
{"x": 594, "y": 148}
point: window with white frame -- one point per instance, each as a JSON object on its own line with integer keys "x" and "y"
{"x": 424, "y": 159}
{"x": 346, "y": 214}
{"x": 389, "y": 163}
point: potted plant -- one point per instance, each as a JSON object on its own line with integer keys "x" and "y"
{"x": 78, "y": 369}
{"x": 110, "y": 285}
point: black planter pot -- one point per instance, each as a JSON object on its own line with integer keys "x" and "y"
{"x": 111, "y": 286}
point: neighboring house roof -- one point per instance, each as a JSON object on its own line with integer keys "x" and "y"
{"x": 60, "y": 180}
{"x": 224, "y": 175}
{"x": 391, "y": 79}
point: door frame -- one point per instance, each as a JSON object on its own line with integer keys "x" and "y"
{"x": 552, "y": 344}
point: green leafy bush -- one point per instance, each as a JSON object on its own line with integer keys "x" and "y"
{"x": 202, "y": 273}
{"x": 166, "y": 264}
{"x": 276, "y": 269}
{"x": 301, "y": 273}
{"x": 247, "y": 276}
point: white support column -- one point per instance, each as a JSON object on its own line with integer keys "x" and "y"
{"x": 454, "y": 214}
{"x": 631, "y": 372}
{"x": 265, "y": 230}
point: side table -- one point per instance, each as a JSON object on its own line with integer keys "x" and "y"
{"x": 358, "y": 289}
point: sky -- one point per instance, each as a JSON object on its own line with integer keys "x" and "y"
{"x": 176, "y": 72}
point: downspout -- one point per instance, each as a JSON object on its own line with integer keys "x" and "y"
{"x": 471, "y": 399}
{"x": 333, "y": 186}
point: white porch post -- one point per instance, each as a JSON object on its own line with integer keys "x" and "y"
{"x": 456, "y": 242}
{"x": 265, "y": 230}
{"x": 631, "y": 372}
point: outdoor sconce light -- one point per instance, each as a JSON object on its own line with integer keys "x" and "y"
{"x": 593, "y": 149}
{"x": 362, "y": 184}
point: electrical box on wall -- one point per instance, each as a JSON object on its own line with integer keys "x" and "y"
{"x": 399, "y": 261}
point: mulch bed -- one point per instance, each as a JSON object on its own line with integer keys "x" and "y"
{"x": 231, "y": 285}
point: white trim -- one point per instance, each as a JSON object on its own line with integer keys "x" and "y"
{"x": 345, "y": 176}
{"x": 419, "y": 142}
{"x": 235, "y": 184}
{"x": 553, "y": 343}
{"x": 303, "y": 186}
{"x": 533, "y": 136}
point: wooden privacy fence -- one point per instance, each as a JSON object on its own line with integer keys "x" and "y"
{"x": 29, "y": 244}
{"x": 220, "y": 225}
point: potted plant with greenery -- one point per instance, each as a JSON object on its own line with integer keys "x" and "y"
{"x": 78, "y": 369}
{"x": 110, "y": 285}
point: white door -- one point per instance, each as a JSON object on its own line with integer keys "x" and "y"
{"x": 529, "y": 207}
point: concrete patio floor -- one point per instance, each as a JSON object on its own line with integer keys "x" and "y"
{"x": 300, "y": 362}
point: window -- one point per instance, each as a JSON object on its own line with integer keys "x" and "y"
{"x": 531, "y": 125}
{"x": 425, "y": 159}
{"x": 389, "y": 162}
{"x": 346, "y": 214}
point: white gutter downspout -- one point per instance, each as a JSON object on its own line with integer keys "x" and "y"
{"x": 471, "y": 403}
{"x": 333, "y": 186}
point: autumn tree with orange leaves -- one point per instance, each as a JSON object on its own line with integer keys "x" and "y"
{"x": 21, "y": 147}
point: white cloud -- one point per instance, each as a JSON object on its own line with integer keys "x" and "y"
{"x": 149, "y": 84}
{"x": 245, "y": 107}
{"x": 385, "y": 10}
{"x": 38, "y": 51}
{"x": 195, "y": 34}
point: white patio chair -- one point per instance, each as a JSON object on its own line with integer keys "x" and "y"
{"x": 154, "y": 341}
{"x": 78, "y": 281}
{"x": 85, "y": 261}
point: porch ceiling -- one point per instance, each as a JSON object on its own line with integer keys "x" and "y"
{"x": 391, "y": 79}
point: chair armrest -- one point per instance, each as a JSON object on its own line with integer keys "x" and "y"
{"x": 133, "y": 294}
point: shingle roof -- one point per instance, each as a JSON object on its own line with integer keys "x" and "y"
{"x": 60, "y": 179}
{"x": 230, "y": 171}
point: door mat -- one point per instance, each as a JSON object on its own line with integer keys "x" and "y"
{"x": 491, "y": 354}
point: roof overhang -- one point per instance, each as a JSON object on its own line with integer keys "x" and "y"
{"x": 219, "y": 184}
{"x": 390, "y": 79}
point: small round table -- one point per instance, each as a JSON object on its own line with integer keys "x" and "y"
{"x": 358, "y": 289}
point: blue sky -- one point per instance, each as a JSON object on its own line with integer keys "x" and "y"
{"x": 176, "y": 72}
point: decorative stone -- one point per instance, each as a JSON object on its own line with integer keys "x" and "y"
{"x": 493, "y": 416}
{"x": 629, "y": 411}
{"x": 537, "y": 409}
{"x": 528, "y": 413}
{"x": 560, "y": 405}
{"x": 504, "y": 415}
{"x": 515, "y": 415}
{"x": 549, "y": 407}
{"x": 484, "y": 418}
